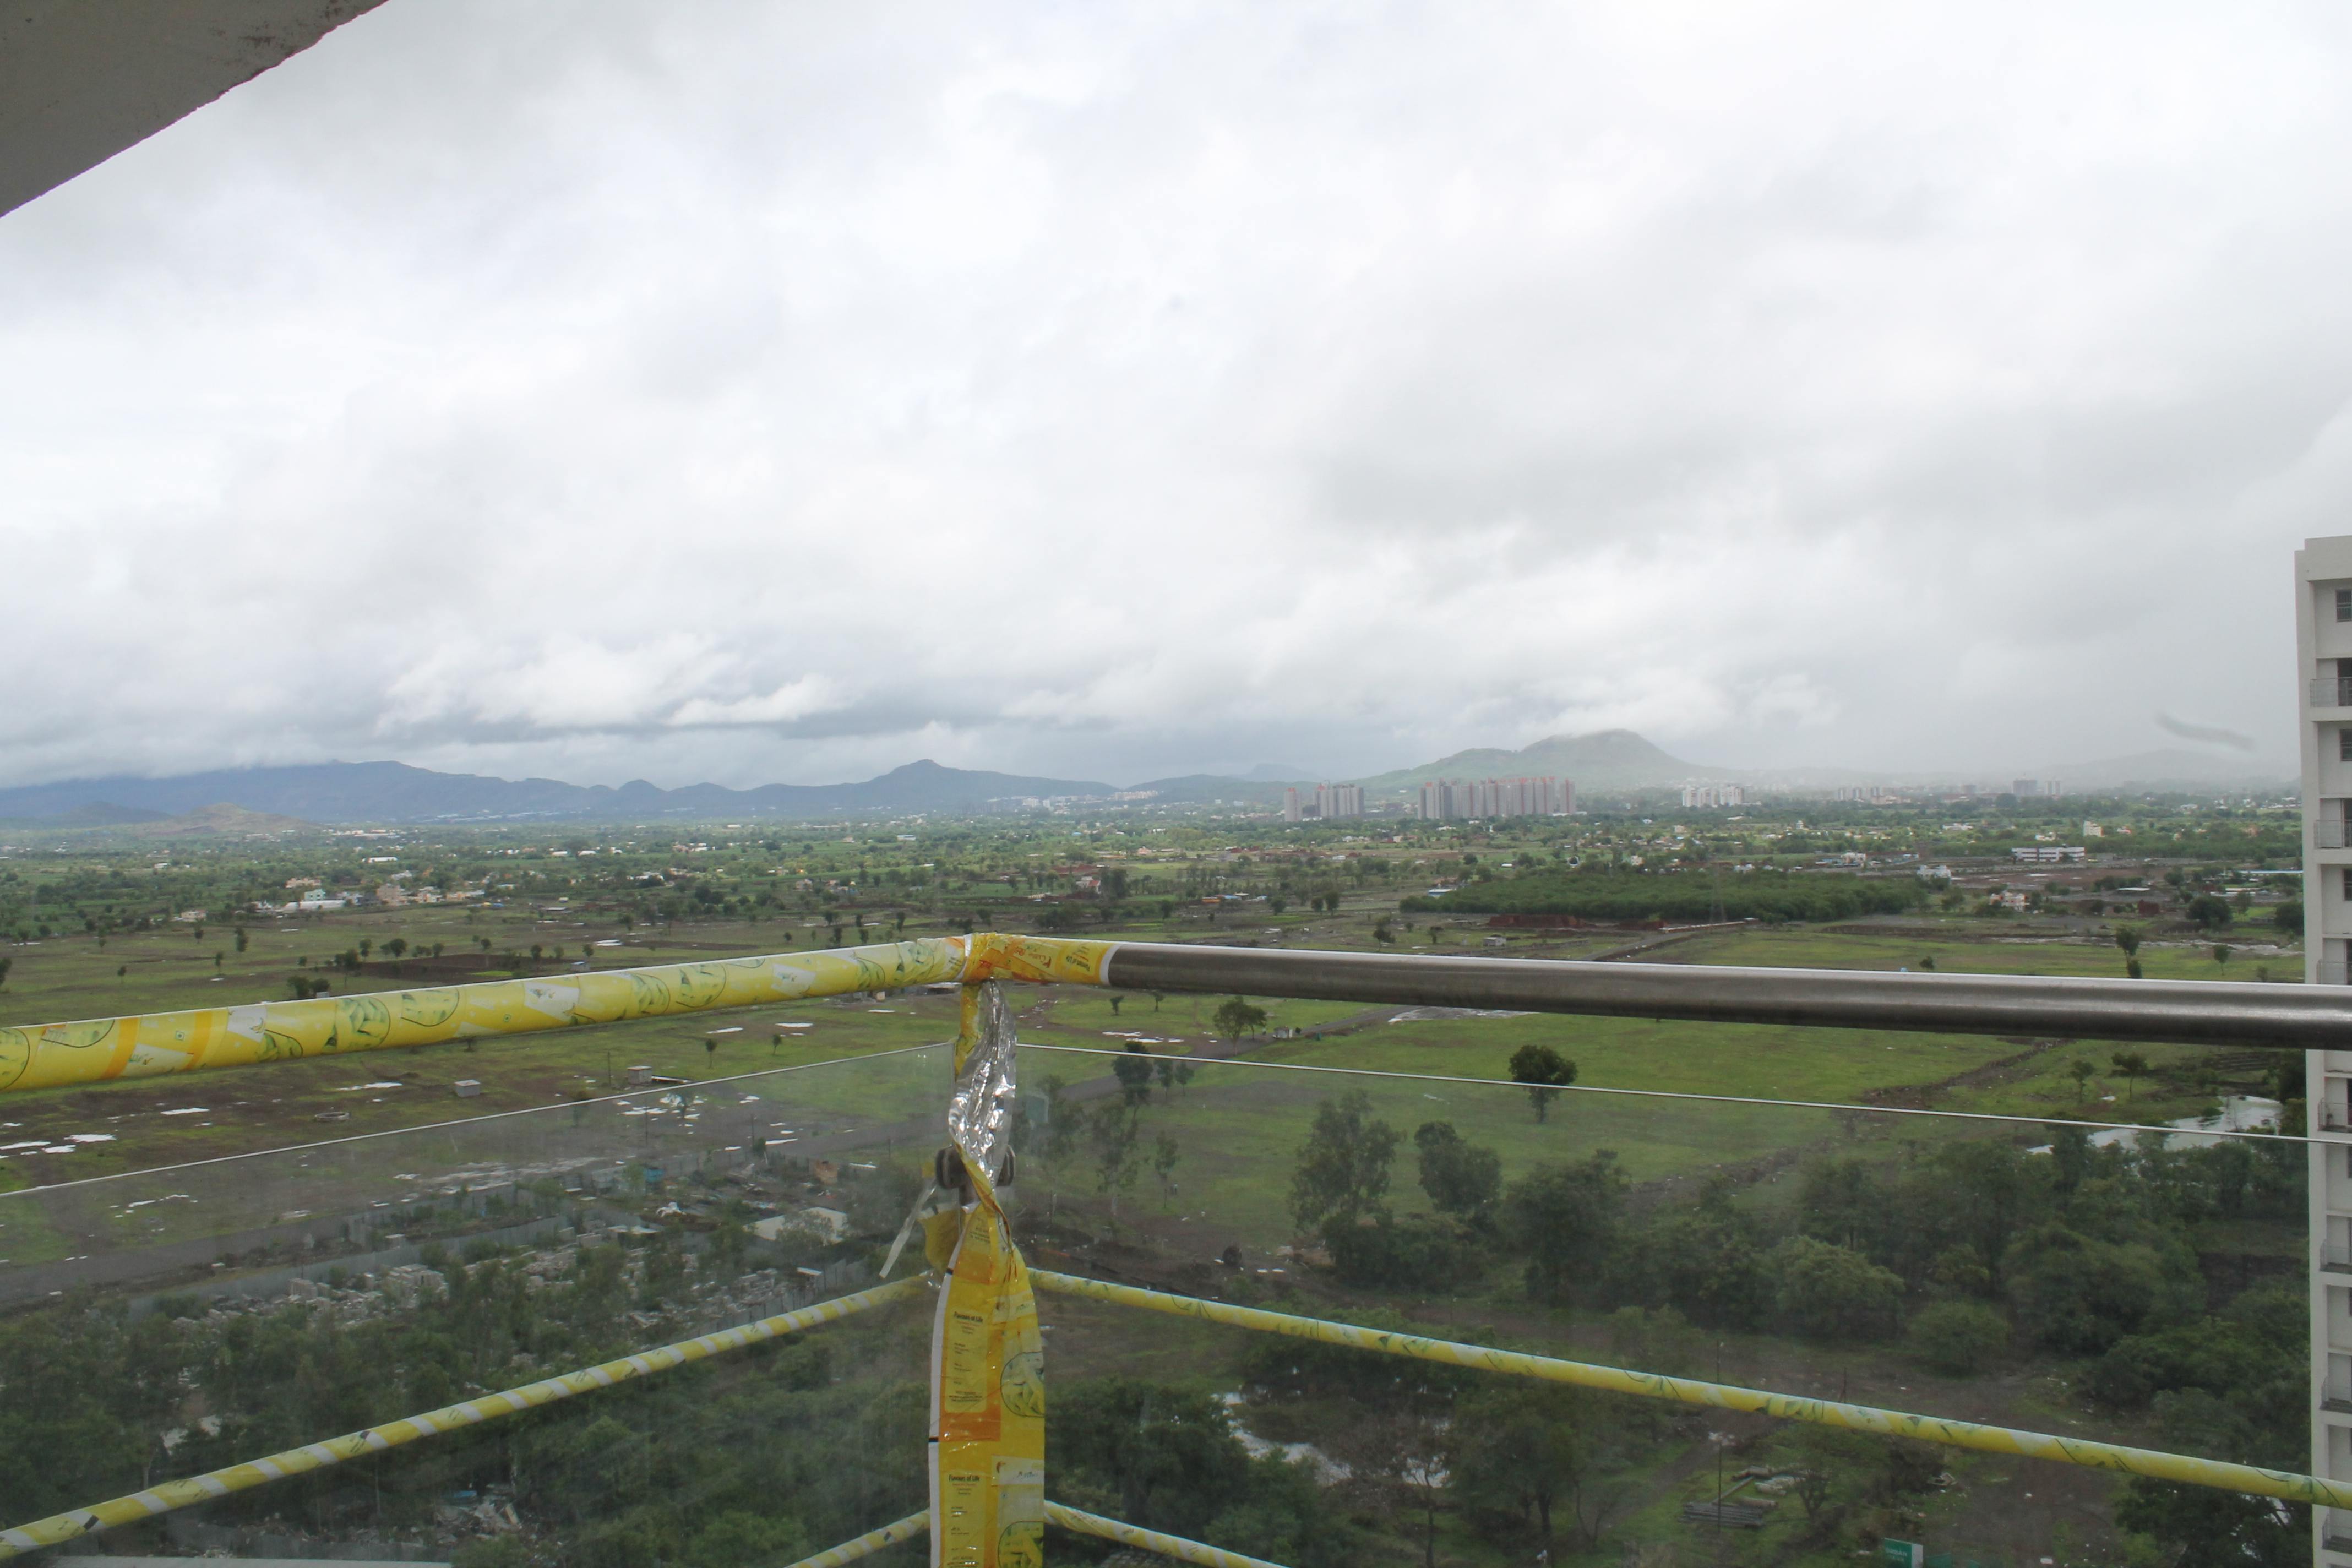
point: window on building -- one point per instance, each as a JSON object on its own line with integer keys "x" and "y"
{"x": 2344, "y": 743}
{"x": 2343, "y": 604}
{"x": 2347, "y": 881}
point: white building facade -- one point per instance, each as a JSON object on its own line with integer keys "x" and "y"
{"x": 1331, "y": 802}
{"x": 2323, "y": 635}
{"x": 1442, "y": 799}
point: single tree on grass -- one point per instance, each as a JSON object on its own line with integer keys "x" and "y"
{"x": 1545, "y": 1071}
{"x": 1342, "y": 1176}
{"x": 2134, "y": 1067}
{"x": 1235, "y": 1017}
{"x": 2082, "y": 1072}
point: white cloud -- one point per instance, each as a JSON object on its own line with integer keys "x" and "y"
{"x": 754, "y": 393}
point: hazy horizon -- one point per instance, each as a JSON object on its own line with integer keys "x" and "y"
{"x": 750, "y": 394}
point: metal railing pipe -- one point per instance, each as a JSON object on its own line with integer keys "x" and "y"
{"x": 2156, "y": 1464}
{"x": 2292, "y": 1017}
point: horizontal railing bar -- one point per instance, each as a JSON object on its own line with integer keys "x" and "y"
{"x": 44, "y": 1056}
{"x": 1134, "y": 1535}
{"x": 166, "y": 1496}
{"x": 2042, "y": 1123}
{"x": 2200, "y": 1012}
{"x": 1071, "y": 1519}
{"x": 873, "y": 1541}
{"x": 2293, "y": 1017}
{"x": 2153, "y": 1463}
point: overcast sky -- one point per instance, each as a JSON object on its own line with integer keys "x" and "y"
{"x": 782, "y": 393}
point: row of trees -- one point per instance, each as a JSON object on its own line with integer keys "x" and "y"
{"x": 1612, "y": 894}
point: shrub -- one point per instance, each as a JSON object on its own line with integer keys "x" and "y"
{"x": 1959, "y": 1337}
{"x": 1827, "y": 1291}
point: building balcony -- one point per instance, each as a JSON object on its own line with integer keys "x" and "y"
{"x": 2334, "y": 1118}
{"x": 2331, "y": 692}
{"x": 2332, "y": 972}
{"x": 2327, "y": 833}
{"x": 630, "y": 1232}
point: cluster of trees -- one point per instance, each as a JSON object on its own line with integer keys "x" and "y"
{"x": 1167, "y": 1457}
{"x": 1974, "y": 1251}
{"x": 1616, "y": 894}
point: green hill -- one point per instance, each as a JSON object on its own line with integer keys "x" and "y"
{"x": 1606, "y": 759}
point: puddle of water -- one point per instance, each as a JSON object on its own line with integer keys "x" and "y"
{"x": 2240, "y": 1113}
{"x": 1327, "y": 1470}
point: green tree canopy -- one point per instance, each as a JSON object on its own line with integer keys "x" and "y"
{"x": 1343, "y": 1167}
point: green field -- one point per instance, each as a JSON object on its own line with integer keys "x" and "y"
{"x": 75, "y": 977}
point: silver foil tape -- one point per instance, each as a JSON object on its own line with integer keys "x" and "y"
{"x": 980, "y": 1112}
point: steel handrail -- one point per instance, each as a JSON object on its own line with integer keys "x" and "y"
{"x": 2191, "y": 1011}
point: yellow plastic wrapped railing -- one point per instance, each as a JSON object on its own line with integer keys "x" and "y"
{"x": 45, "y": 1055}
{"x": 2294, "y": 1017}
{"x": 2151, "y": 1462}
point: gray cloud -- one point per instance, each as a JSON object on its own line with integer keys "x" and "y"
{"x": 748, "y": 393}
{"x": 2211, "y": 735}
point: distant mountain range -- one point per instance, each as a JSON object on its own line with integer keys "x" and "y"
{"x": 394, "y": 791}
{"x": 278, "y": 799}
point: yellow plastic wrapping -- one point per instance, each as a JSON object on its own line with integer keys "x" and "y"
{"x": 988, "y": 1384}
{"x": 1157, "y": 1542}
{"x": 45, "y": 1055}
{"x": 1041, "y": 960}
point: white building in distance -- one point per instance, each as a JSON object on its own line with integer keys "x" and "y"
{"x": 1332, "y": 801}
{"x": 2323, "y": 636}
{"x": 1456, "y": 799}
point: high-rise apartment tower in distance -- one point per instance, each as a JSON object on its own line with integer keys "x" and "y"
{"x": 1702, "y": 796}
{"x": 1331, "y": 801}
{"x": 2323, "y": 636}
{"x": 1456, "y": 799}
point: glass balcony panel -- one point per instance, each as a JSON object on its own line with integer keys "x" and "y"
{"x": 2331, "y": 692}
{"x": 2327, "y": 833}
{"x": 1920, "y": 1264}
{"x": 2332, "y": 972}
{"x": 1939, "y": 1266}
{"x": 225, "y": 1310}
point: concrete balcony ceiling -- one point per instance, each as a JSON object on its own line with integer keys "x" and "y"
{"x": 82, "y": 80}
